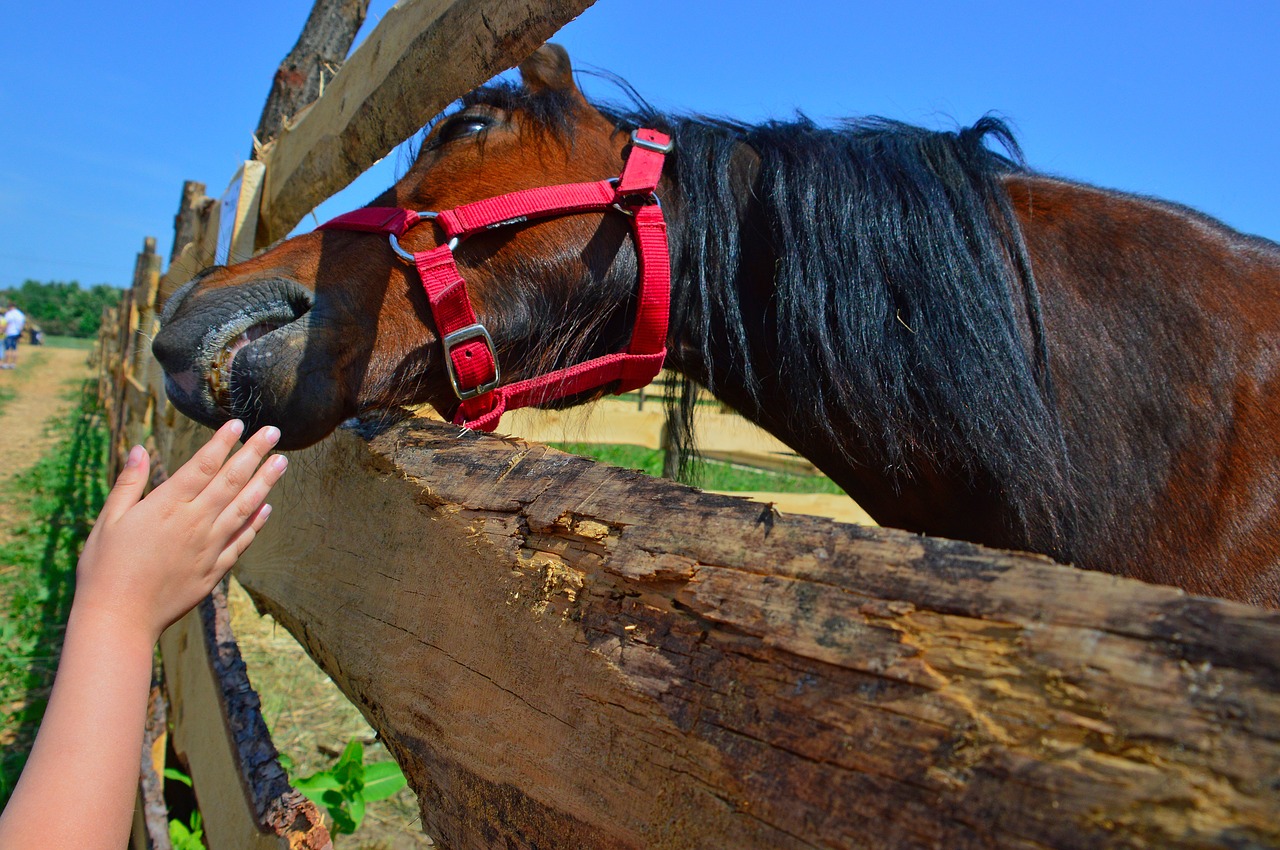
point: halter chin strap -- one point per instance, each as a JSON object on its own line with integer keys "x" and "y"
{"x": 469, "y": 355}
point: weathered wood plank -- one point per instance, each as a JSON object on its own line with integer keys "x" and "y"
{"x": 562, "y": 654}
{"x": 245, "y": 798}
{"x": 423, "y": 55}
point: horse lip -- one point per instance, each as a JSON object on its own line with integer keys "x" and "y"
{"x": 221, "y": 345}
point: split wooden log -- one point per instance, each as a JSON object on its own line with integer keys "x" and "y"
{"x": 317, "y": 55}
{"x": 423, "y": 55}
{"x": 218, "y": 731}
{"x": 563, "y": 654}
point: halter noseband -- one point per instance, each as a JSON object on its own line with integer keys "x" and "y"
{"x": 469, "y": 355}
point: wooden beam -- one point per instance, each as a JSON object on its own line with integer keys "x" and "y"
{"x": 563, "y": 654}
{"x": 423, "y": 55}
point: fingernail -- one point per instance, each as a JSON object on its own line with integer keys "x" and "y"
{"x": 266, "y": 512}
{"x": 279, "y": 462}
{"x": 135, "y": 456}
{"x": 271, "y": 434}
{"x": 237, "y": 427}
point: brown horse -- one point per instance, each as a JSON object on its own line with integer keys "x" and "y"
{"x": 969, "y": 348}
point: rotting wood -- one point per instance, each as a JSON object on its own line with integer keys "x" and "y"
{"x": 151, "y": 817}
{"x": 563, "y": 654}
{"x": 422, "y": 55}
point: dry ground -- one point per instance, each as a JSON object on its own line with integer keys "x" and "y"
{"x": 43, "y": 385}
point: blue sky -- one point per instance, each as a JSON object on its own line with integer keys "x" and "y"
{"x": 109, "y": 107}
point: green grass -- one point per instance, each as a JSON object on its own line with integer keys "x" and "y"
{"x": 67, "y": 342}
{"x": 707, "y": 473}
{"x": 63, "y": 491}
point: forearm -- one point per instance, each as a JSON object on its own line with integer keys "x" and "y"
{"x": 78, "y": 787}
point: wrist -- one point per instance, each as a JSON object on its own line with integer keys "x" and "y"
{"x": 123, "y": 630}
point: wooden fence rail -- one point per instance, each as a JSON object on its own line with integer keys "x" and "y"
{"x": 566, "y": 655}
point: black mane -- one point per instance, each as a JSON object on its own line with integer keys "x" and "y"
{"x": 903, "y": 313}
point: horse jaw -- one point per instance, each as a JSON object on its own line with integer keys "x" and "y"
{"x": 247, "y": 352}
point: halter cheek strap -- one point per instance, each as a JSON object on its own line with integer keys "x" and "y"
{"x": 470, "y": 358}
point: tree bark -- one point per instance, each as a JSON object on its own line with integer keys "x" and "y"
{"x": 320, "y": 51}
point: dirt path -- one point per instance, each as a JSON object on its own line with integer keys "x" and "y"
{"x": 43, "y": 387}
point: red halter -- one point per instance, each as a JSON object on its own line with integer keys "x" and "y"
{"x": 469, "y": 355}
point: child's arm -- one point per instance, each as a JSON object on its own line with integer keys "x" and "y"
{"x": 145, "y": 564}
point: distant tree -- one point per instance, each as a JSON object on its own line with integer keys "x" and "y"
{"x": 63, "y": 309}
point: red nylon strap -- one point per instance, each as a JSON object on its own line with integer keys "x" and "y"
{"x": 471, "y": 360}
{"x": 644, "y": 165}
{"x": 526, "y": 204}
{"x": 391, "y": 220}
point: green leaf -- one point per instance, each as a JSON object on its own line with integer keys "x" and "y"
{"x": 335, "y": 803}
{"x": 350, "y": 767}
{"x": 381, "y": 780}
{"x": 352, "y": 754}
{"x": 342, "y": 822}
{"x": 286, "y": 761}
{"x": 177, "y": 776}
{"x": 316, "y": 786}
{"x": 356, "y": 804}
{"x": 321, "y": 781}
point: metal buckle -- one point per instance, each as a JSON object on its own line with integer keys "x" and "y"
{"x": 652, "y": 146}
{"x": 476, "y": 331}
{"x": 405, "y": 255}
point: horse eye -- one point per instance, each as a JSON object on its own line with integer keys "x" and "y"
{"x": 462, "y": 126}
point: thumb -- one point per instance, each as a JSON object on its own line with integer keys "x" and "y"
{"x": 129, "y": 486}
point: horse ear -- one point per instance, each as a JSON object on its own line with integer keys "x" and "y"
{"x": 548, "y": 69}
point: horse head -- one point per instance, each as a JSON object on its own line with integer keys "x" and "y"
{"x": 332, "y": 324}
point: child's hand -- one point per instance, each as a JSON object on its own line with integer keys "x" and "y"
{"x": 149, "y": 561}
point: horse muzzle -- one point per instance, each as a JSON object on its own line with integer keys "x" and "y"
{"x": 215, "y": 343}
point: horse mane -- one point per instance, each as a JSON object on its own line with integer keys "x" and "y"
{"x": 904, "y": 313}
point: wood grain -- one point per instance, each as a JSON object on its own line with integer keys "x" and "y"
{"x": 563, "y": 654}
{"x": 423, "y": 55}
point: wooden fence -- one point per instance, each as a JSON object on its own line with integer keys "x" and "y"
{"x": 562, "y": 654}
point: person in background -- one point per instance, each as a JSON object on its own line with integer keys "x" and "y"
{"x": 145, "y": 564}
{"x": 14, "y": 319}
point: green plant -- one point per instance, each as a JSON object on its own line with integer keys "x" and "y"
{"x": 59, "y": 497}
{"x": 344, "y": 789}
{"x": 187, "y": 836}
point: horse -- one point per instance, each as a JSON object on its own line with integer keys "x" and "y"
{"x": 971, "y": 349}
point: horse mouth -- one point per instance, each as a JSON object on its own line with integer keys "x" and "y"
{"x": 253, "y": 336}
{"x": 219, "y": 375}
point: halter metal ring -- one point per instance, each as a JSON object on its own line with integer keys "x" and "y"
{"x": 617, "y": 205}
{"x": 405, "y": 255}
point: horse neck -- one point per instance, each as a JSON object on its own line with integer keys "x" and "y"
{"x": 725, "y": 336}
